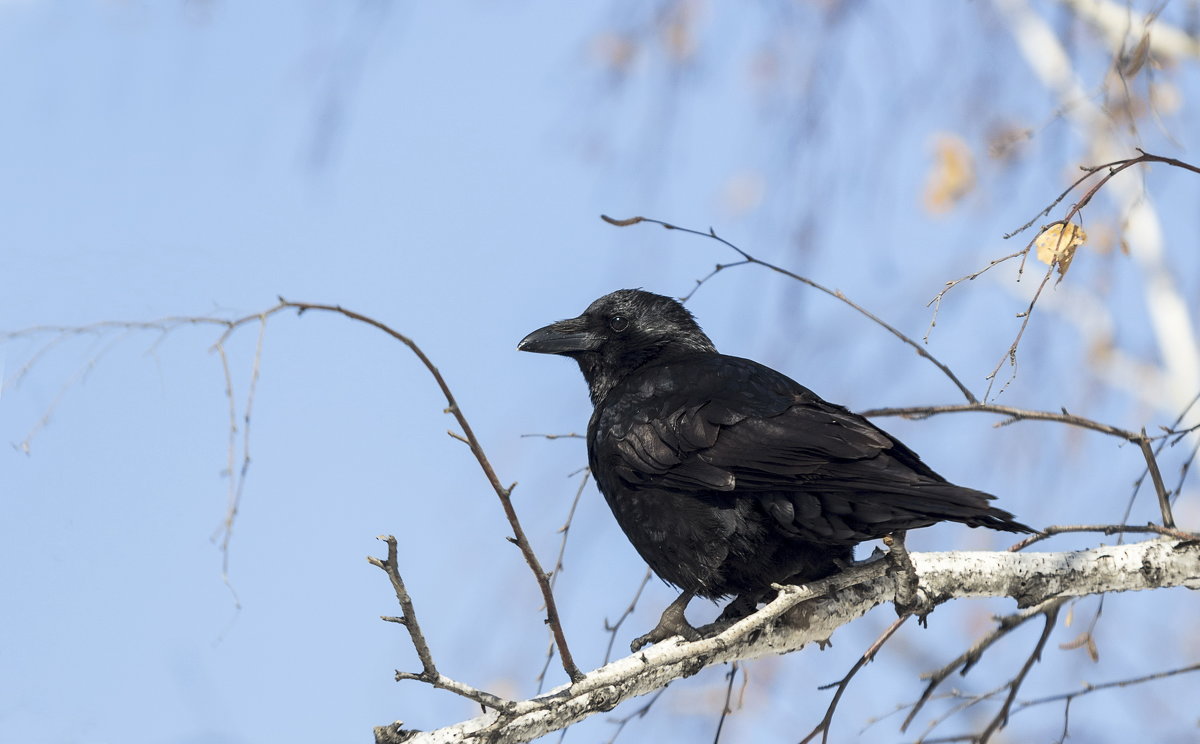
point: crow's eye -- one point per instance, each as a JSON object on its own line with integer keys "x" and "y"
{"x": 618, "y": 323}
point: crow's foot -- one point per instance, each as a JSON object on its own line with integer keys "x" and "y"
{"x": 910, "y": 599}
{"x": 672, "y": 623}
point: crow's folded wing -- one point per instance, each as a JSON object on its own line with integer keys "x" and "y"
{"x": 727, "y": 424}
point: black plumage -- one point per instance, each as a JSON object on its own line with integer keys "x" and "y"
{"x": 727, "y": 475}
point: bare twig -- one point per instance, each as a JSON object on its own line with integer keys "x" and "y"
{"x": 1000, "y": 720}
{"x": 965, "y": 702}
{"x": 1112, "y": 169}
{"x": 1183, "y": 469}
{"x": 837, "y": 294}
{"x": 612, "y": 628}
{"x": 503, "y": 492}
{"x": 1107, "y": 529}
{"x": 1088, "y": 172}
{"x": 429, "y": 673}
{"x": 565, "y": 530}
{"x": 572, "y": 435}
{"x": 1019, "y": 414}
{"x": 704, "y": 279}
{"x": 937, "y": 300}
{"x": 1108, "y": 171}
{"x": 237, "y": 484}
{"x": 78, "y": 377}
{"x": 822, "y": 728}
{"x": 229, "y": 326}
{"x": 1013, "y": 414}
{"x": 1160, "y": 489}
{"x": 971, "y": 656}
{"x": 734, "y": 667}
{"x": 1170, "y": 435}
{"x": 1010, "y": 355}
{"x": 391, "y": 566}
{"x": 1089, "y": 688}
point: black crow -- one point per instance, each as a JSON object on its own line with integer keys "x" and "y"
{"x": 727, "y": 475}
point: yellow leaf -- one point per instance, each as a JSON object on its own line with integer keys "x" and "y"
{"x": 951, "y": 175}
{"x": 1057, "y": 243}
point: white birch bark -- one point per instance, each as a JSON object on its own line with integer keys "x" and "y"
{"x": 1029, "y": 578}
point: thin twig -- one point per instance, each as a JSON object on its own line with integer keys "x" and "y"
{"x": 1011, "y": 354}
{"x": 1020, "y": 414}
{"x": 1088, "y": 172}
{"x": 725, "y": 709}
{"x": 1110, "y": 170}
{"x": 612, "y": 628}
{"x": 1107, "y": 529}
{"x": 1183, "y": 469}
{"x": 237, "y": 484}
{"x": 822, "y": 728}
{"x": 391, "y": 566}
{"x": 229, "y": 326}
{"x": 748, "y": 259}
{"x": 1113, "y": 169}
{"x": 503, "y": 492}
{"x": 1000, "y": 720}
{"x": 565, "y": 530}
{"x": 78, "y": 377}
{"x": 937, "y": 300}
{"x": 968, "y": 659}
{"x": 1170, "y": 432}
{"x": 1089, "y": 688}
{"x": 572, "y": 435}
{"x": 408, "y": 619}
{"x": 1164, "y": 499}
{"x": 231, "y": 507}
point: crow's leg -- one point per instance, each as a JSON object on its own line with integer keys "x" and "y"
{"x": 910, "y": 598}
{"x": 672, "y": 623}
{"x": 743, "y": 605}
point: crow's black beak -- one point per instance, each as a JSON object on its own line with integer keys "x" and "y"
{"x": 564, "y": 337}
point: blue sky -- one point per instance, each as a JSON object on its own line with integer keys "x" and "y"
{"x": 441, "y": 167}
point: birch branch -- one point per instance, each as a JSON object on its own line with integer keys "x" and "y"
{"x": 803, "y": 615}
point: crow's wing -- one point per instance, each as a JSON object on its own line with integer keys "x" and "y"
{"x": 725, "y": 423}
{"x": 718, "y": 423}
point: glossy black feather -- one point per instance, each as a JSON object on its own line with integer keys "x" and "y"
{"x": 727, "y": 475}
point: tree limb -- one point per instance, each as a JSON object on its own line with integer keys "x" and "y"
{"x": 1030, "y": 578}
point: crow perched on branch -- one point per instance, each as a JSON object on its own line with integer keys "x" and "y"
{"x": 727, "y": 475}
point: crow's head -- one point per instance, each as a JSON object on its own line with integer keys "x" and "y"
{"x": 619, "y": 333}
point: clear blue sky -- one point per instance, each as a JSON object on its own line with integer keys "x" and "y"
{"x": 441, "y": 167}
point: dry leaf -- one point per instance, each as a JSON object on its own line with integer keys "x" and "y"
{"x": 952, "y": 174}
{"x": 1083, "y": 640}
{"x": 1057, "y": 243}
{"x": 1136, "y": 59}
